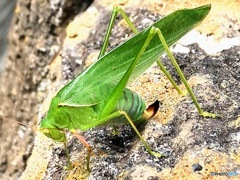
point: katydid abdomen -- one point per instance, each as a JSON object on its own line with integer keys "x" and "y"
{"x": 133, "y": 105}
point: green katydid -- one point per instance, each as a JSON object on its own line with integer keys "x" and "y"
{"x": 98, "y": 96}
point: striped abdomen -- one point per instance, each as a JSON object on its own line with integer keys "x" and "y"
{"x": 132, "y": 104}
{"x": 135, "y": 107}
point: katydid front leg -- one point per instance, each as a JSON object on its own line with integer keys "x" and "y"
{"x": 84, "y": 142}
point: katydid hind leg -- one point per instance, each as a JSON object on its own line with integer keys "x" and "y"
{"x": 115, "y": 12}
{"x": 149, "y": 149}
{"x": 120, "y": 113}
{"x": 134, "y": 29}
{"x": 168, "y": 75}
{"x": 183, "y": 79}
{"x": 162, "y": 40}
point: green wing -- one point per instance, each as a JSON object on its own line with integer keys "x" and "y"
{"x": 97, "y": 81}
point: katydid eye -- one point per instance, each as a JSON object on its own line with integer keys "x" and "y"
{"x": 46, "y": 131}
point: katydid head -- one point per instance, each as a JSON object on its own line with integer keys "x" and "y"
{"x": 51, "y": 131}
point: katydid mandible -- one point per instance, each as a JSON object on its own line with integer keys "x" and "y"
{"x": 98, "y": 96}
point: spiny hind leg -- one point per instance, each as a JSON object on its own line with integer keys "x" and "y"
{"x": 117, "y": 10}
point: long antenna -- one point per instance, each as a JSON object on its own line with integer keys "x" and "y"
{"x": 2, "y": 118}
